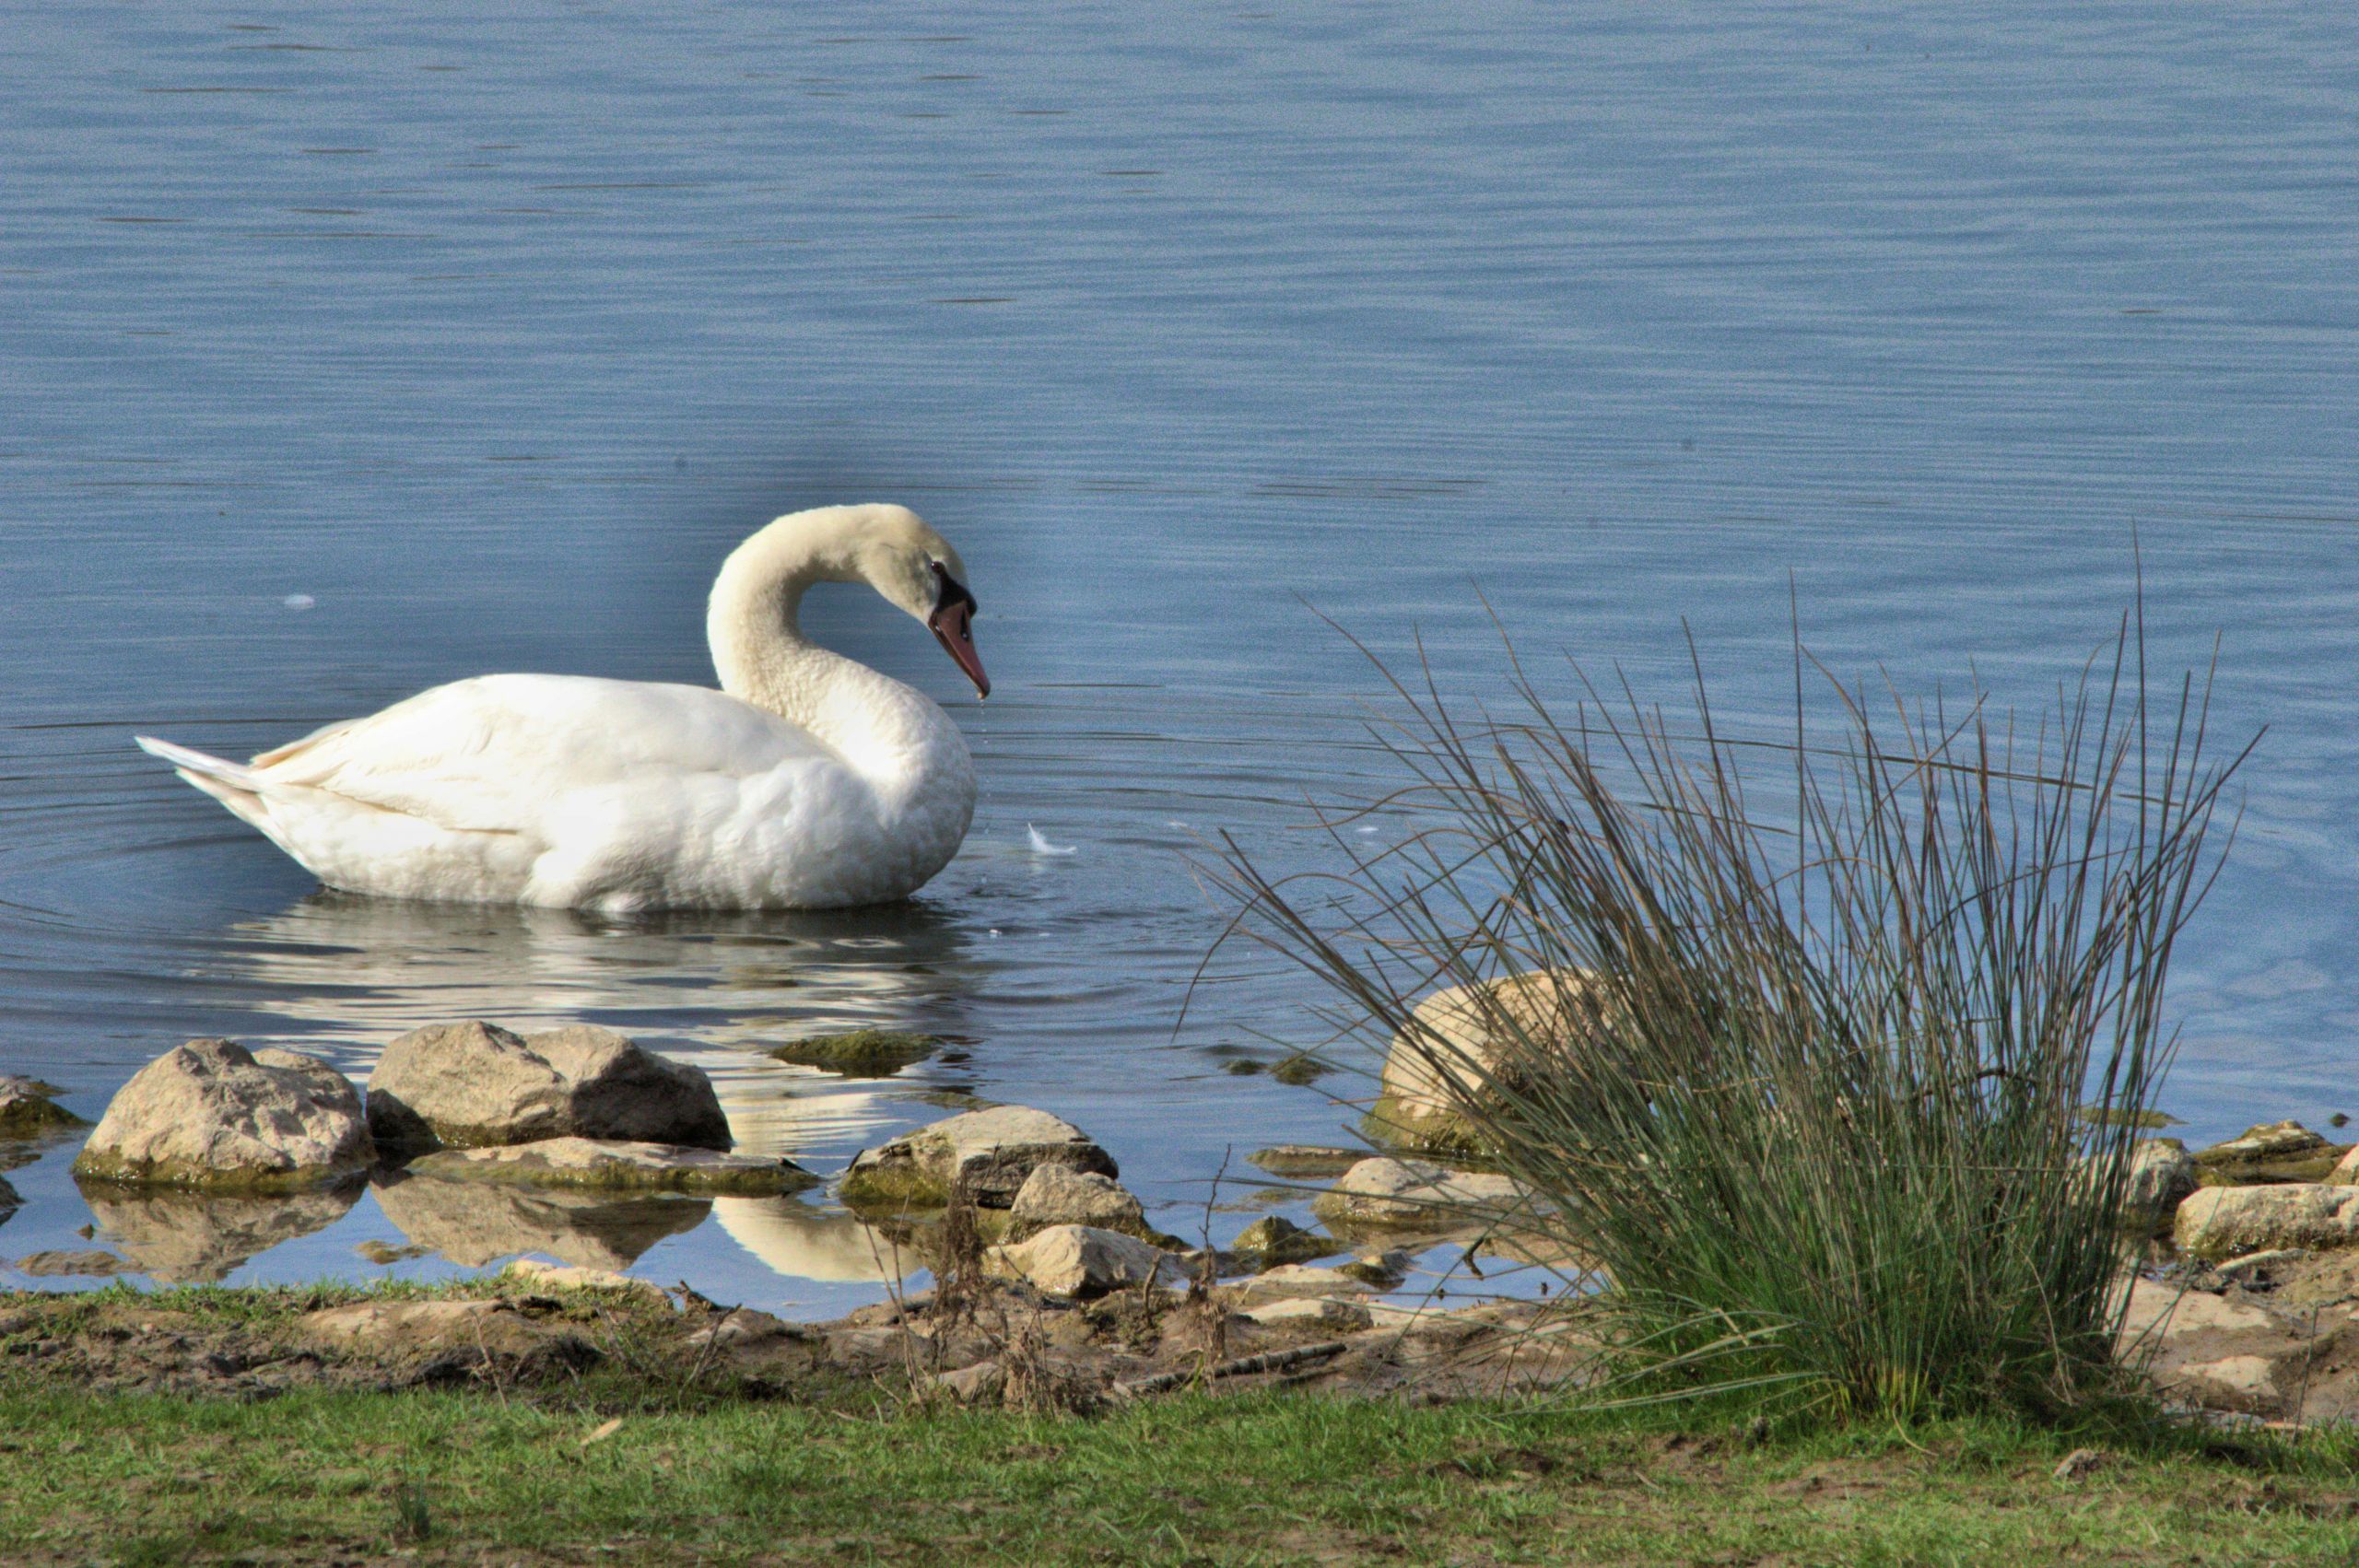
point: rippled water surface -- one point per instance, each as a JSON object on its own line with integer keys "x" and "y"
{"x": 339, "y": 357}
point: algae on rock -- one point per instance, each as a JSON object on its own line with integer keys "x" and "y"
{"x": 860, "y": 1053}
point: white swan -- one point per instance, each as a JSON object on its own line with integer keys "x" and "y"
{"x": 807, "y": 781}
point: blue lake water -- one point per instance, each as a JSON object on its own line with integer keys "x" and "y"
{"x": 344, "y": 355}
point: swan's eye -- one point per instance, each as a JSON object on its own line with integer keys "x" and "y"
{"x": 948, "y": 589}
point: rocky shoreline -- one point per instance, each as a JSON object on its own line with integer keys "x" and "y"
{"x": 473, "y": 1138}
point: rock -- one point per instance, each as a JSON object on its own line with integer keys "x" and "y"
{"x": 28, "y": 1110}
{"x": 991, "y": 1152}
{"x": 9, "y": 1198}
{"x": 1058, "y": 1195}
{"x": 50, "y": 1264}
{"x": 1389, "y": 1194}
{"x": 2253, "y": 1265}
{"x": 1450, "y": 1056}
{"x": 861, "y": 1053}
{"x": 1273, "y": 1241}
{"x": 186, "y": 1238}
{"x": 2223, "y": 1221}
{"x": 1296, "y": 1280}
{"x": 1332, "y": 1316}
{"x": 385, "y": 1254}
{"x": 1081, "y": 1261}
{"x": 475, "y": 1223}
{"x": 2078, "y": 1463}
{"x": 2346, "y": 1170}
{"x": 1383, "y": 1270}
{"x": 211, "y": 1114}
{"x": 2162, "y": 1173}
{"x": 2273, "y": 1152}
{"x": 1307, "y": 1159}
{"x": 606, "y": 1165}
{"x": 980, "y": 1384}
{"x": 476, "y": 1085}
{"x": 567, "y": 1277}
{"x": 412, "y": 1329}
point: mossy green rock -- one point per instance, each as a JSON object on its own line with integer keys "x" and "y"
{"x": 2271, "y": 1152}
{"x": 28, "y": 1111}
{"x": 860, "y": 1053}
{"x": 614, "y": 1166}
{"x": 1274, "y": 1241}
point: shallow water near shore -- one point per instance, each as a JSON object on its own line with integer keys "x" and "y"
{"x": 346, "y": 358}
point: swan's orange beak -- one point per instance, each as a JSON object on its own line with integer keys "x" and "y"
{"x": 953, "y": 623}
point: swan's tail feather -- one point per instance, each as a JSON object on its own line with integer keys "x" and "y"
{"x": 233, "y": 784}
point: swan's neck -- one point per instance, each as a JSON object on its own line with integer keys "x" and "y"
{"x": 889, "y": 733}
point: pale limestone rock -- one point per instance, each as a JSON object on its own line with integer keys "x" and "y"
{"x": 211, "y": 1114}
{"x": 2252, "y": 1263}
{"x": 610, "y": 1165}
{"x": 1336, "y": 1316}
{"x": 476, "y": 1085}
{"x": 2346, "y": 1170}
{"x": 1081, "y": 1261}
{"x": 1058, "y": 1195}
{"x": 1295, "y": 1281}
{"x": 1389, "y": 1194}
{"x": 2224, "y": 1222}
{"x": 411, "y": 1329}
{"x": 568, "y": 1277}
{"x": 2161, "y": 1176}
{"x": 1451, "y": 1054}
{"x": 991, "y": 1153}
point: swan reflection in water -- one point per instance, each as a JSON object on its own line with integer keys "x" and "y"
{"x": 341, "y": 976}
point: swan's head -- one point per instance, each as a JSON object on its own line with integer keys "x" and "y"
{"x": 917, "y": 569}
{"x": 891, "y": 548}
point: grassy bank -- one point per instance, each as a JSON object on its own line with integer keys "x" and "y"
{"x": 321, "y": 1476}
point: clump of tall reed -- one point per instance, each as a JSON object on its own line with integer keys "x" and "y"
{"x": 1840, "y": 1033}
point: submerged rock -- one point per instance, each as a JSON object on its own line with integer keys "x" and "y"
{"x": 1467, "y": 1043}
{"x": 2273, "y": 1152}
{"x": 188, "y": 1238}
{"x": 989, "y": 1152}
{"x": 1273, "y": 1241}
{"x": 860, "y": 1053}
{"x": 476, "y": 1085}
{"x": 474, "y": 1223}
{"x": 1307, "y": 1159}
{"x": 612, "y": 1165}
{"x": 1082, "y": 1261}
{"x": 2227, "y": 1222}
{"x": 28, "y": 1110}
{"x": 1387, "y": 1194}
{"x": 211, "y": 1114}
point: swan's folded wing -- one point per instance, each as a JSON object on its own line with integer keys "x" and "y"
{"x": 491, "y": 753}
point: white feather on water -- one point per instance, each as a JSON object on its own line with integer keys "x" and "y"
{"x": 1040, "y": 846}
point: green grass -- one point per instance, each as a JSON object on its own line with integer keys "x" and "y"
{"x": 1261, "y": 1480}
{"x": 1829, "y": 1048}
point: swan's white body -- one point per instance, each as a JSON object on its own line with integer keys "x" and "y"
{"x": 807, "y": 781}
